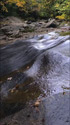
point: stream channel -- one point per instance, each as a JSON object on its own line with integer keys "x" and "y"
{"x": 31, "y": 69}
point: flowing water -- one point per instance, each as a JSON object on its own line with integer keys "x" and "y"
{"x": 34, "y": 65}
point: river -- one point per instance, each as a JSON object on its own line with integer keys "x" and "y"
{"x": 42, "y": 60}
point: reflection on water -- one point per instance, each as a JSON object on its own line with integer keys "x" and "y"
{"x": 18, "y": 97}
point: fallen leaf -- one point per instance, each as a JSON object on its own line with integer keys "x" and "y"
{"x": 63, "y": 93}
{"x": 12, "y": 90}
{"x": 37, "y": 103}
{"x": 27, "y": 67}
{"x": 10, "y": 78}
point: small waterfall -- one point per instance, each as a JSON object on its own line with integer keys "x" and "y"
{"x": 22, "y": 52}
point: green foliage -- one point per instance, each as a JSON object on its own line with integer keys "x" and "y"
{"x": 65, "y": 33}
{"x": 36, "y": 8}
{"x": 63, "y": 9}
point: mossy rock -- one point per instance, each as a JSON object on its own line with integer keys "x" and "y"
{"x": 65, "y": 33}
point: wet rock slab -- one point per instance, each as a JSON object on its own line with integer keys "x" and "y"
{"x": 50, "y": 70}
{"x": 57, "y": 109}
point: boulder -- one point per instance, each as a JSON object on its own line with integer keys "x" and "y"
{"x": 52, "y": 23}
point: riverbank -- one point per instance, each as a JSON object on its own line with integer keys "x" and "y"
{"x": 12, "y": 28}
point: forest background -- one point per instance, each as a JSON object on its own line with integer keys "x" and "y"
{"x": 36, "y": 9}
